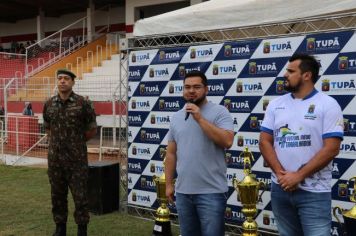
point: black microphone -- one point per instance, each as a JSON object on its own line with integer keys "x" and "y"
{"x": 188, "y": 113}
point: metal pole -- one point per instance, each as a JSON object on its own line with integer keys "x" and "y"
{"x": 26, "y": 70}
{"x": 60, "y": 43}
{"x": 108, "y": 24}
{"x": 5, "y": 103}
{"x": 114, "y": 121}
{"x": 83, "y": 31}
{"x": 120, "y": 101}
{"x": 2, "y": 140}
{"x": 101, "y": 143}
{"x": 17, "y": 136}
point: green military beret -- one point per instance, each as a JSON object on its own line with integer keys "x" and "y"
{"x": 66, "y": 72}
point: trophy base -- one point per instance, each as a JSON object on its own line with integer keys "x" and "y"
{"x": 249, "y": 227}
{"x": 162, "y": 228}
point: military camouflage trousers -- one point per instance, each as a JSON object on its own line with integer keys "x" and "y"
{"x": 76, "y": 179}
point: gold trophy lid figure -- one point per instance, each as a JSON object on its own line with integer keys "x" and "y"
{"x": 349, "y": 216}
{"x": 247, "y": 157}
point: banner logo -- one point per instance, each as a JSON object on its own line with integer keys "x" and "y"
{"x": 149, "y": 136}
{"x": 343, "y": 63}
{"x": 324, "y": 44}
{"x": 325, "y": 85}
{"x": 158, "y": 73}
{"x": 168, "y": 55}
{"x": 194, "y": 53}
{"x": 170, "y": 106}
{"x": 279, "y": 86}
{"x": 139, "y": 57}
{"x": 255, "y": 68}
{"x": 149, "y": 90}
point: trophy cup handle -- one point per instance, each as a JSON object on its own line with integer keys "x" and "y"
{"x": 263, "y": 186}
{"x": 353, "y": 196}
{"x": 335, "y": 215}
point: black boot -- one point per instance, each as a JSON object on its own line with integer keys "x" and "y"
{"x": 61, "y": 230}
{"x": 82, "y": 230}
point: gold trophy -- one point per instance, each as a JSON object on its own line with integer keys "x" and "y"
{"x": 162, "y": 225}
{"x": 349, "y": 216}
{"x": 247, "y": 191}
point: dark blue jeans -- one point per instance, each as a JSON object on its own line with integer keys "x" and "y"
{"x": 301, "y": 212}
{"x": 201, "y": 214}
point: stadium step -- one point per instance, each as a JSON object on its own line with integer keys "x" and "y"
{"x": 41, "y": 86}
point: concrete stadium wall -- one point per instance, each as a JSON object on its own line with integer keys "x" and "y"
{"x": 117, "y": 15}
{"x": 26, "y": 30}
{"x": 121, "y": 19}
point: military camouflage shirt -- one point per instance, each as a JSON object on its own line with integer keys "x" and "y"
{"x": 68, "y": 121}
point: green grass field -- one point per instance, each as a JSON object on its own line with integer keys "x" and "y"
{"x": 25, "y": 209}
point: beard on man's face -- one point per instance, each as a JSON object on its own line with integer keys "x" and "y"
{"x": 290, "y": 88}
{"x": 198, "y": 101}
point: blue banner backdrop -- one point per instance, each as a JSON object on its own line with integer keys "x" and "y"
{"x": 244, "y": 77}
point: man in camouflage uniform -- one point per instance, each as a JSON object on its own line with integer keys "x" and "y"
{"x": 70, "y": 121}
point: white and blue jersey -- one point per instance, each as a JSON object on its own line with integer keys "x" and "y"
{"x": 298, "y": 127}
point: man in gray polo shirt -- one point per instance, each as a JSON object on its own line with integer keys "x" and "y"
{"x": 197, "y": 139}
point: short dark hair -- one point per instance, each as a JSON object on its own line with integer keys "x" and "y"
{"x": 200, "y": 74}
{"x": 308, "y": 63}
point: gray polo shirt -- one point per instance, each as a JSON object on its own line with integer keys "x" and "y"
{"x": 201, "y": 164}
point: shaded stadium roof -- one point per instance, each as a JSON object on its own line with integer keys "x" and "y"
{"x": 14, "y": 10}
{"x": 224, "y": 14}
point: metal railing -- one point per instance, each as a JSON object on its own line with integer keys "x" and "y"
{"x": 61, "y": 43}
{"x": 41, "y": 88}
{"x": 25, "y": 139}
{"x": 21, "y": 136}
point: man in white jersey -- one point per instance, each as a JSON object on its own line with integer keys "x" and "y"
{"x": 197, "y": 139}
{"x": 300, "y": 136}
